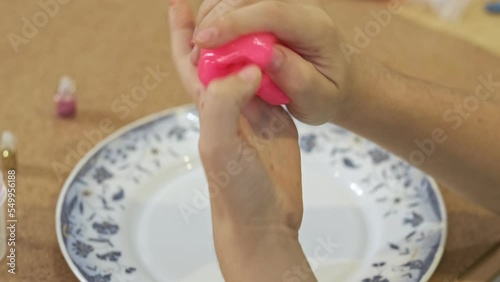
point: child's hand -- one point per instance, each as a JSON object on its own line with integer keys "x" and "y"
{"x": 251, "y": 158}
{"x": 250, "y": 153}
{"x": 239, "y": 129}
{"x": 181, "y": 34}
{"x": 311, "y": 70}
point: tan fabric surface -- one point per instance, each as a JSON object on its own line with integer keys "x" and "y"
{"x": 106, "y": 46}
{"x": 475, "y": 25}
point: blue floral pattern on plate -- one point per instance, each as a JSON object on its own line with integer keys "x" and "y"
{"x": 90, "y": 209}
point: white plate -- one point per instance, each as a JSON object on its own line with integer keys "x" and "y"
{"x": 135, "y": 208}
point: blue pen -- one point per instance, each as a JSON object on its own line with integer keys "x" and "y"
{"x": 493, "y": 7}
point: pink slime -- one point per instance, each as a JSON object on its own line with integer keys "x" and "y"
{"x": 250, "y": 49}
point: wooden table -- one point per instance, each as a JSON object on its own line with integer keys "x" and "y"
{"x": 106, "y": 47}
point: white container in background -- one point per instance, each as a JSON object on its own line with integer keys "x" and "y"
{"x": 3, "y": 232}
{"x": 449, "y": 10}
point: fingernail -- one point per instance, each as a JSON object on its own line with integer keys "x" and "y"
{"x": 249, "y": 73}
{"x": 195, "y": 55}
{"x": 192, "y": 37}
{"x": 277, "y": 60}
{"x": 206, "y": 35}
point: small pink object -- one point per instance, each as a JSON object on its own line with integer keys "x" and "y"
{"x": 250, "y": 49}
{"x": 65, "y": 98}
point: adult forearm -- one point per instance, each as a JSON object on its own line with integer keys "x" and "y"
{"x": 450, "y": 134}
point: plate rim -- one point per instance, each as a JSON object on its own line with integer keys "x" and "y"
{"x": 85, "y": 159}
{"x": 444, "y": 223}
{"x": 184, "y": 108}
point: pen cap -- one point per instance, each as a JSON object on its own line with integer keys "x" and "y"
{"x": 8, "y": 141}
{"x": 66, "y": 86}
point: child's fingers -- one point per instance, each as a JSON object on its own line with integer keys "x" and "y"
{"x": 206, "y": 7}
{"x": 181, "y": 27}
{"x": 299, "y": 79}
{"x": 181, "y": 34}
{"x": 290, "y": 23}
{"x": 220, "y": 108}
{"x": 211, "y": 9}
